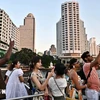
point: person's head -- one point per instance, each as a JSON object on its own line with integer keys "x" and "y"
{"x": 87, "y": 57}
{"x": 74, "y": 63}
{"x": 59, "y": 69}
{"x": 14, "y": 64}
{"x": 36, "y": 62}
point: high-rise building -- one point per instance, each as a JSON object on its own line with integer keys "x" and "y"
{"x": 8, "y": 29}
{"x": 93, "y": 46}
{"x": 70, "y": 29}
{"x": 83, "y": 37}
{"x": 27, "y": 33}
{"x": 98, "y": 49}
{"x": 99, "y": 46}
{"x": 88, "y": 46}
{"x": 58, "y": 38}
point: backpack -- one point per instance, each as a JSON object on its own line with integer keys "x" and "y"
{"x": 32, "y": 90}
{"x": 82, "y": 75}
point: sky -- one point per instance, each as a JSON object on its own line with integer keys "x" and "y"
{"x": 47, "y": 13}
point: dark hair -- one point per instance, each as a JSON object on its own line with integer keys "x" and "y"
{"x": 71, "y": 62}
{"x": 84, "y": 55}
{"x": 34, "y": 61}
{"x": 60, "y": 69}
{"x": 63, "y": 61}
{"x": 66, "y": 70}
{"x": 13, "y": 64}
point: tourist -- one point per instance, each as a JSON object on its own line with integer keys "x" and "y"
{"x": 76, "y": 81}
{"x": 8, "y": 54}
{"x": 37, "y": 79}
{"x": 58, "y": 83}
{"x": 67, "y": 70}
{"x": 9, "y": 70}
{"x": 15, "y": 86}
{"x": 3, "y": 61}
{"x": 90, "y": 64}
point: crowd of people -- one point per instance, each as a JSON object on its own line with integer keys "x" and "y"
{"x": 56, "y": 82}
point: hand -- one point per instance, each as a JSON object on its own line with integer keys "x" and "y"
{"x": 88, "y": 84}
{"x": 11, "y": 44}
{"x": 50, "y": 74}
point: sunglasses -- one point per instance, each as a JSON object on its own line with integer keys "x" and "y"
{"x": 88, "y": 55}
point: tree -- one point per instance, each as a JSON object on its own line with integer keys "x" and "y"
{"x": 1, "y": 55}
{"x": 46, "y": 59}
{"x": 24, "y": 56}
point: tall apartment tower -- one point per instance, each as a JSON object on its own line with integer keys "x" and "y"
{"x": 58, "y": 38}
{"x": 93, "y": 46}
{"x": 70, "y": 29}
{"x": 8, "y": 29}
{"x": 27, "y": 33}
{"x": 84, "y": 42}
{"x": 98, "y": 49}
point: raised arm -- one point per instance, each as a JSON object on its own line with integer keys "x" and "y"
{"x": 96, "y": 61}
{"x": 44, "y": 85}
{"x": 8, "y": 54}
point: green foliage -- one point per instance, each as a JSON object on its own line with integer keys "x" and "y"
{"x": 24, "y": 56}
{"x": 1, "y": 55}
{"x": 46, "y": 59}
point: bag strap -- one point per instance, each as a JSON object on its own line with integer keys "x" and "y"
{"x": 89, "y": 74}
{"x": 58, "y": 86}
{"x": 31, "y": 86}
{"x": 11, "y": 73}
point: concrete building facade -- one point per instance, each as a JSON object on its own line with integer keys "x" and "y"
{"x": 58, "y": 38}
{"x": 70, "y": 29}
{"x": 83, "y": 38}
{"x": 27, "y": 33}
{"x": 8, "y": 30}
{"x": 93, "y": 46}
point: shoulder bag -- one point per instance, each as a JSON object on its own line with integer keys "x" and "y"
{"x": 60, "y": 97}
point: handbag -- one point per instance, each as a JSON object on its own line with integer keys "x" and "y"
{"x": 47, "y": 98}
{"x": 62, "y": 97}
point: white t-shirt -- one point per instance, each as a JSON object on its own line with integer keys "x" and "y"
{"x": 62, "y": 83}
{"x": 8, "y": 73}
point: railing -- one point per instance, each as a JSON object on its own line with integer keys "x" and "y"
{"x": 25, "y": 97}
